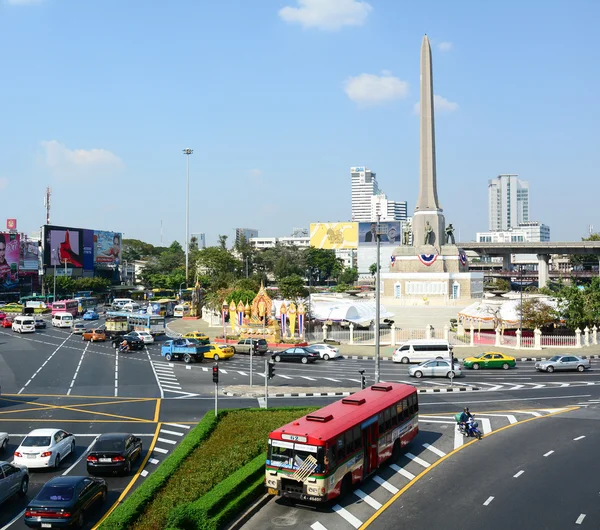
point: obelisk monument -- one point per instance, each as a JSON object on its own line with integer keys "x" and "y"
{"x": 428, "y": 212}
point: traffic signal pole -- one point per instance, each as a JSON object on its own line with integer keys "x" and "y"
{"x": 216, "y": 382}
{"x": 266, "y": 384}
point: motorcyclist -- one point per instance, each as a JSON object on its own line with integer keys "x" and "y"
{"x": 464, "y": 420}
{"x": 124, "y": 346}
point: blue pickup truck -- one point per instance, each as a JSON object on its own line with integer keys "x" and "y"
{"x": 188, "y": 350}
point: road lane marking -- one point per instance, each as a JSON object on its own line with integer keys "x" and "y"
{"x": 116, "y": 372}
{"x": 578, "y": 438}
{"x": 44, "y": 364}
{"x": 307, "y": 378}
{"x": 317, "y": 526}
{"x": 402, "y": 471}
{"x": 166, "y": 441}
{"x": 385, "y": 484}
{"x": 153, "y": 461}
{"x": 175, "y": 433}
{"x": 160, "y": 389}
{"x": 418, "y": 460}
{"x": 144, "y": 473}
{"x": 488, "y": 501}
{"x": 367, "y": 498}
{"x": 161, "y": 450}
{"x": 437, "y": 403}
{"x": 178, "y": 425}
{"x": 76, "y": 370}
{"x": 459, "y": 438}
{"x": 356, "y": 523}
{"x": 486, "y": 425}
{"x": 518, "y": 474}
{"x": 434, "y": 450}
{"x": 81, "y": 457}
{"x": 580, "y": 519}
{"x": 332, "y": 379}
{"x": 548, "y": 453}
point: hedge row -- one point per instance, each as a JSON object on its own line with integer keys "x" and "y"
{"x": 126, "y": 513}
{"x": 223, "y": 502}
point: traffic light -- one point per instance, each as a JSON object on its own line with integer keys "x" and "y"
{"x": 271, "y": 372}
{"x": 215, "y": 374}
{"x": 363, "y": 379}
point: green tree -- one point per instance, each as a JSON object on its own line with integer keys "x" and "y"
{"x": 320, "y": 263}
{"x": 537, "y": 314}
{"x": 292, "y": 287}
{"x": 373, "y": 269}
{"x": 349, "y": 276}
{"x": 586, "y": 261}
{"x": 223, "y": 241}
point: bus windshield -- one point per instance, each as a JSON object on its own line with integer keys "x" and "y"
{"x": 293, "y": 456}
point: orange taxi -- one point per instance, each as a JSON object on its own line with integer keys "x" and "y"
{"x": 94, "y": 335}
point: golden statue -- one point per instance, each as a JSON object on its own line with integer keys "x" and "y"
{"x": 261, "y": 306}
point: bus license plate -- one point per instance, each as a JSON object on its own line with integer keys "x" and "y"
{"x": 273, "y": 491}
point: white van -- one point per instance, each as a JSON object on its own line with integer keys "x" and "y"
{"x": 23, "y": 324}
{"x": 62, "y": 320}
{"x": 181, "y": 310}
{"x": 132, "y": 307}
{"x": 120, "y": 303}
{"x": 420, "y": 350}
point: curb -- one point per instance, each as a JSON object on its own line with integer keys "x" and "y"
{"x": 250, "y": 512}
{"x": 451, "y": 389}
{"x": 290, "y": 394}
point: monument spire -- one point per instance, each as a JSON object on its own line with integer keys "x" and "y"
{"x": 428, "y": 198}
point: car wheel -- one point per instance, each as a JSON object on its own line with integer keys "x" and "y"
{"x": 505, "y": 366}
{"x": 450, "y": 374}
{"x": 234, "y": 350}
{"x": 4, "y": 445}
{"x": 418, "y": 374}
{"x": 57, "y": 462}
{"x": 73, "y": 447}
{"x": 550, "y": 369}
{"x": 104, "y": 495}
{"x": 404, "y": 360}
{"x": 168, "y": 357}
{"x": 79, "y": 523}
{"x": 216, "y": 357}
{"x": 127, "y": 467}
{"x": 326, "y": 357}
{"x": 24, "y": 487}
{"x": 304, "y": 360}
{"x": 580, "y": 368}
{"x": 475, "y": 366}
{"x": 92, "y": 339}
{"x": 187, "y": 358}
{"x": 277, "y": 358}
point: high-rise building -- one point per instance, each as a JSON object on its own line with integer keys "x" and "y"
{"x": 508, "y": 202}
{"x": 246, "y": 233}
{"x": 388, "y": 210}
{"x": 364, "y": 186}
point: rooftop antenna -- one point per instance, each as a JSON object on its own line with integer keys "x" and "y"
{"x": 591, "y": 229}
{"x": 47, "y": 203}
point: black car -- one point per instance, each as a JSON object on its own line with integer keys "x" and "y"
{"x": 114, "y": 453}
{"x": 63, "y": 501}
{"x": 40, "y": 323}
{"x": 301, "y": 354}
{"x": 135, "y": 343}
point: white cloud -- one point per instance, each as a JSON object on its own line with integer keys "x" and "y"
{"x": 23, "y": 2}
{"x": 64, "y": 161}
{"x": 255, "y": 172}
{"x": 3, "y": 183}
{"x": 445, "y": 46}
{"x": 440, "y": 104}
{"x": 370, "y": 89}
{"x": 327, "y": 14}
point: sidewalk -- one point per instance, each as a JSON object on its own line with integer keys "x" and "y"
{"x": 357, "y": 351}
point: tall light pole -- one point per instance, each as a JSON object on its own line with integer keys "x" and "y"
{"x": 54, "y": 293}
{"x": 187, "y": 152}
{"x": 521, "y": 306}
{"x": 377, "y": 310}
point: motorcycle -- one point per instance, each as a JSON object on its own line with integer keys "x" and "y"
{"x": 470, "y": 429}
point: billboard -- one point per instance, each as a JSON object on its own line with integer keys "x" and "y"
{"x": 10, "y": 248}
{"x": 334, "y": 235}
{"x": 29, "y": 258}
{"x": 63, "y": 245}
{"x": 107, "y": 249}
{"x": 388, "y": 230}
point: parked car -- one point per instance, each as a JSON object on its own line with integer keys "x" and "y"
{"x": 198, "y": 335}
{"x": 259, "y": 346}
{"x": 135, "y": 343}
{"x": 63, "y": 501}
{"x": 218, "y": 352}
{"x": 7, "y": 322}
{"x": 40, "y": 323}
{"x": 303, "y": 354}
{"x": 45, "y": 448}
{"x": 146, "y": 337}
{"x": 435, "y": 369}
{"x": 4, "y": 439}
{"x": 563, "y": 362}
{"x": 490, "y": 359}
{"x": 13, "y": 479}
{"x": 78, "y": 328}
{"x": 2, "y": 315}
{"x": 326, "y": 351}
{"x": 114, "y": 453}
{"x": 90, "y": 314}
{"x": 94, "y": 335}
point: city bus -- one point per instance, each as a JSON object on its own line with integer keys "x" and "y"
{"x": 65, "y": 306}
{"x": 86, "y": 302}
{"x": 321, "y": 455}
{"x": 153, "y": 324}
{"x": 181, "y": 310}
{"x": 163, "y": 307}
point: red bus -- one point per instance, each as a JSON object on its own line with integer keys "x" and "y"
{"x": 321, "y": 455}
{"x": 66, "y": 306}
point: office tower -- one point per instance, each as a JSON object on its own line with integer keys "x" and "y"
{"x": 508, "y": 202}
{"x": 364, "y": 186}
{"x": 246, "y": 233}
{"x": 387, "y": 209}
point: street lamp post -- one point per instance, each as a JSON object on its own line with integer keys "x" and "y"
{"x": 377, "y": 310}
{"x": 180, "y": 291}
{"x": 187, "y": 218}
{"x": 54, "y": 293}
{"x": 521, "y": 292}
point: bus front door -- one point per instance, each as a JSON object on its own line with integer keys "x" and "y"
{"x": 369, "y": 436}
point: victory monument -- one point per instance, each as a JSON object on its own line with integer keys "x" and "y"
{"x": 432, "y": 268}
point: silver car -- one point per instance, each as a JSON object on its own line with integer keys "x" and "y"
{"x": 13, "y": 479}
{"x": 563, "y": 362}
{"x": 436, "y": 368}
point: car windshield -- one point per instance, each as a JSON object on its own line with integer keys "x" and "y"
{"x": 109, "y": 445}
{"x": 556, "y": 358}
{"x": 311, "y": 350}
{"x": 56, "y": 493}
{"x": 36, "y": 441}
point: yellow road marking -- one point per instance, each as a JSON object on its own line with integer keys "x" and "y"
{"x": 48, "y": 406}
{"x": 132, "y": 481}
{"x": 437, "y": 462}
{"x": 157, "y": 409}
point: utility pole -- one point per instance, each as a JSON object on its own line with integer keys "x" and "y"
{"x": 187, "y": 152}
{"x": 377, "y": 302}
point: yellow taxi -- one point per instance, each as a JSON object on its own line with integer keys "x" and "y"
{"x": 490, "y": 359}
{"x": 217, "y": 352}
{"x": 198, "y": 335}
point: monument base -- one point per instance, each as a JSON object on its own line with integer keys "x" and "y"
{"x": 432, "y": 286}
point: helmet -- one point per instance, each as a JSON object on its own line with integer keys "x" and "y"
{"x": 466, "y": 409}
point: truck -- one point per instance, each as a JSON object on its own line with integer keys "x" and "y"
{"x": 187, "y": 350}
{"x": 116, "y": 326}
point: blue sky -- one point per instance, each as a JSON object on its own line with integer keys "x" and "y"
{"x": 279, "y": 98}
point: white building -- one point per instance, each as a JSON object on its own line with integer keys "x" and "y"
{"x": 531, "y": 231}
{"x": 364, "y": 186}
{"x": 508, "y": 202}
{"x": 389, "y": 210}
{"x": 270, "y": 242}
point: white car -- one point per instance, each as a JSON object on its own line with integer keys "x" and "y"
{"x": 143, "y": 335}
{"x": 3, "y": 441}
{"x": 78, "y": 328}
{"x": 325, "y": 351}
{"x": 45, "y": 448}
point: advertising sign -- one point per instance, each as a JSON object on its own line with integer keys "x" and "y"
{"x": 107, "y": 249}
{"x": 88, "y": 250}
{"x": 63, "y": 245}
{"x": 29, "y": 258}
{"x": 11, "y": 224}
{"x": 10, "y": 248}
{"x": 389, "y": 232}
{"x": 334, "y": 235}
